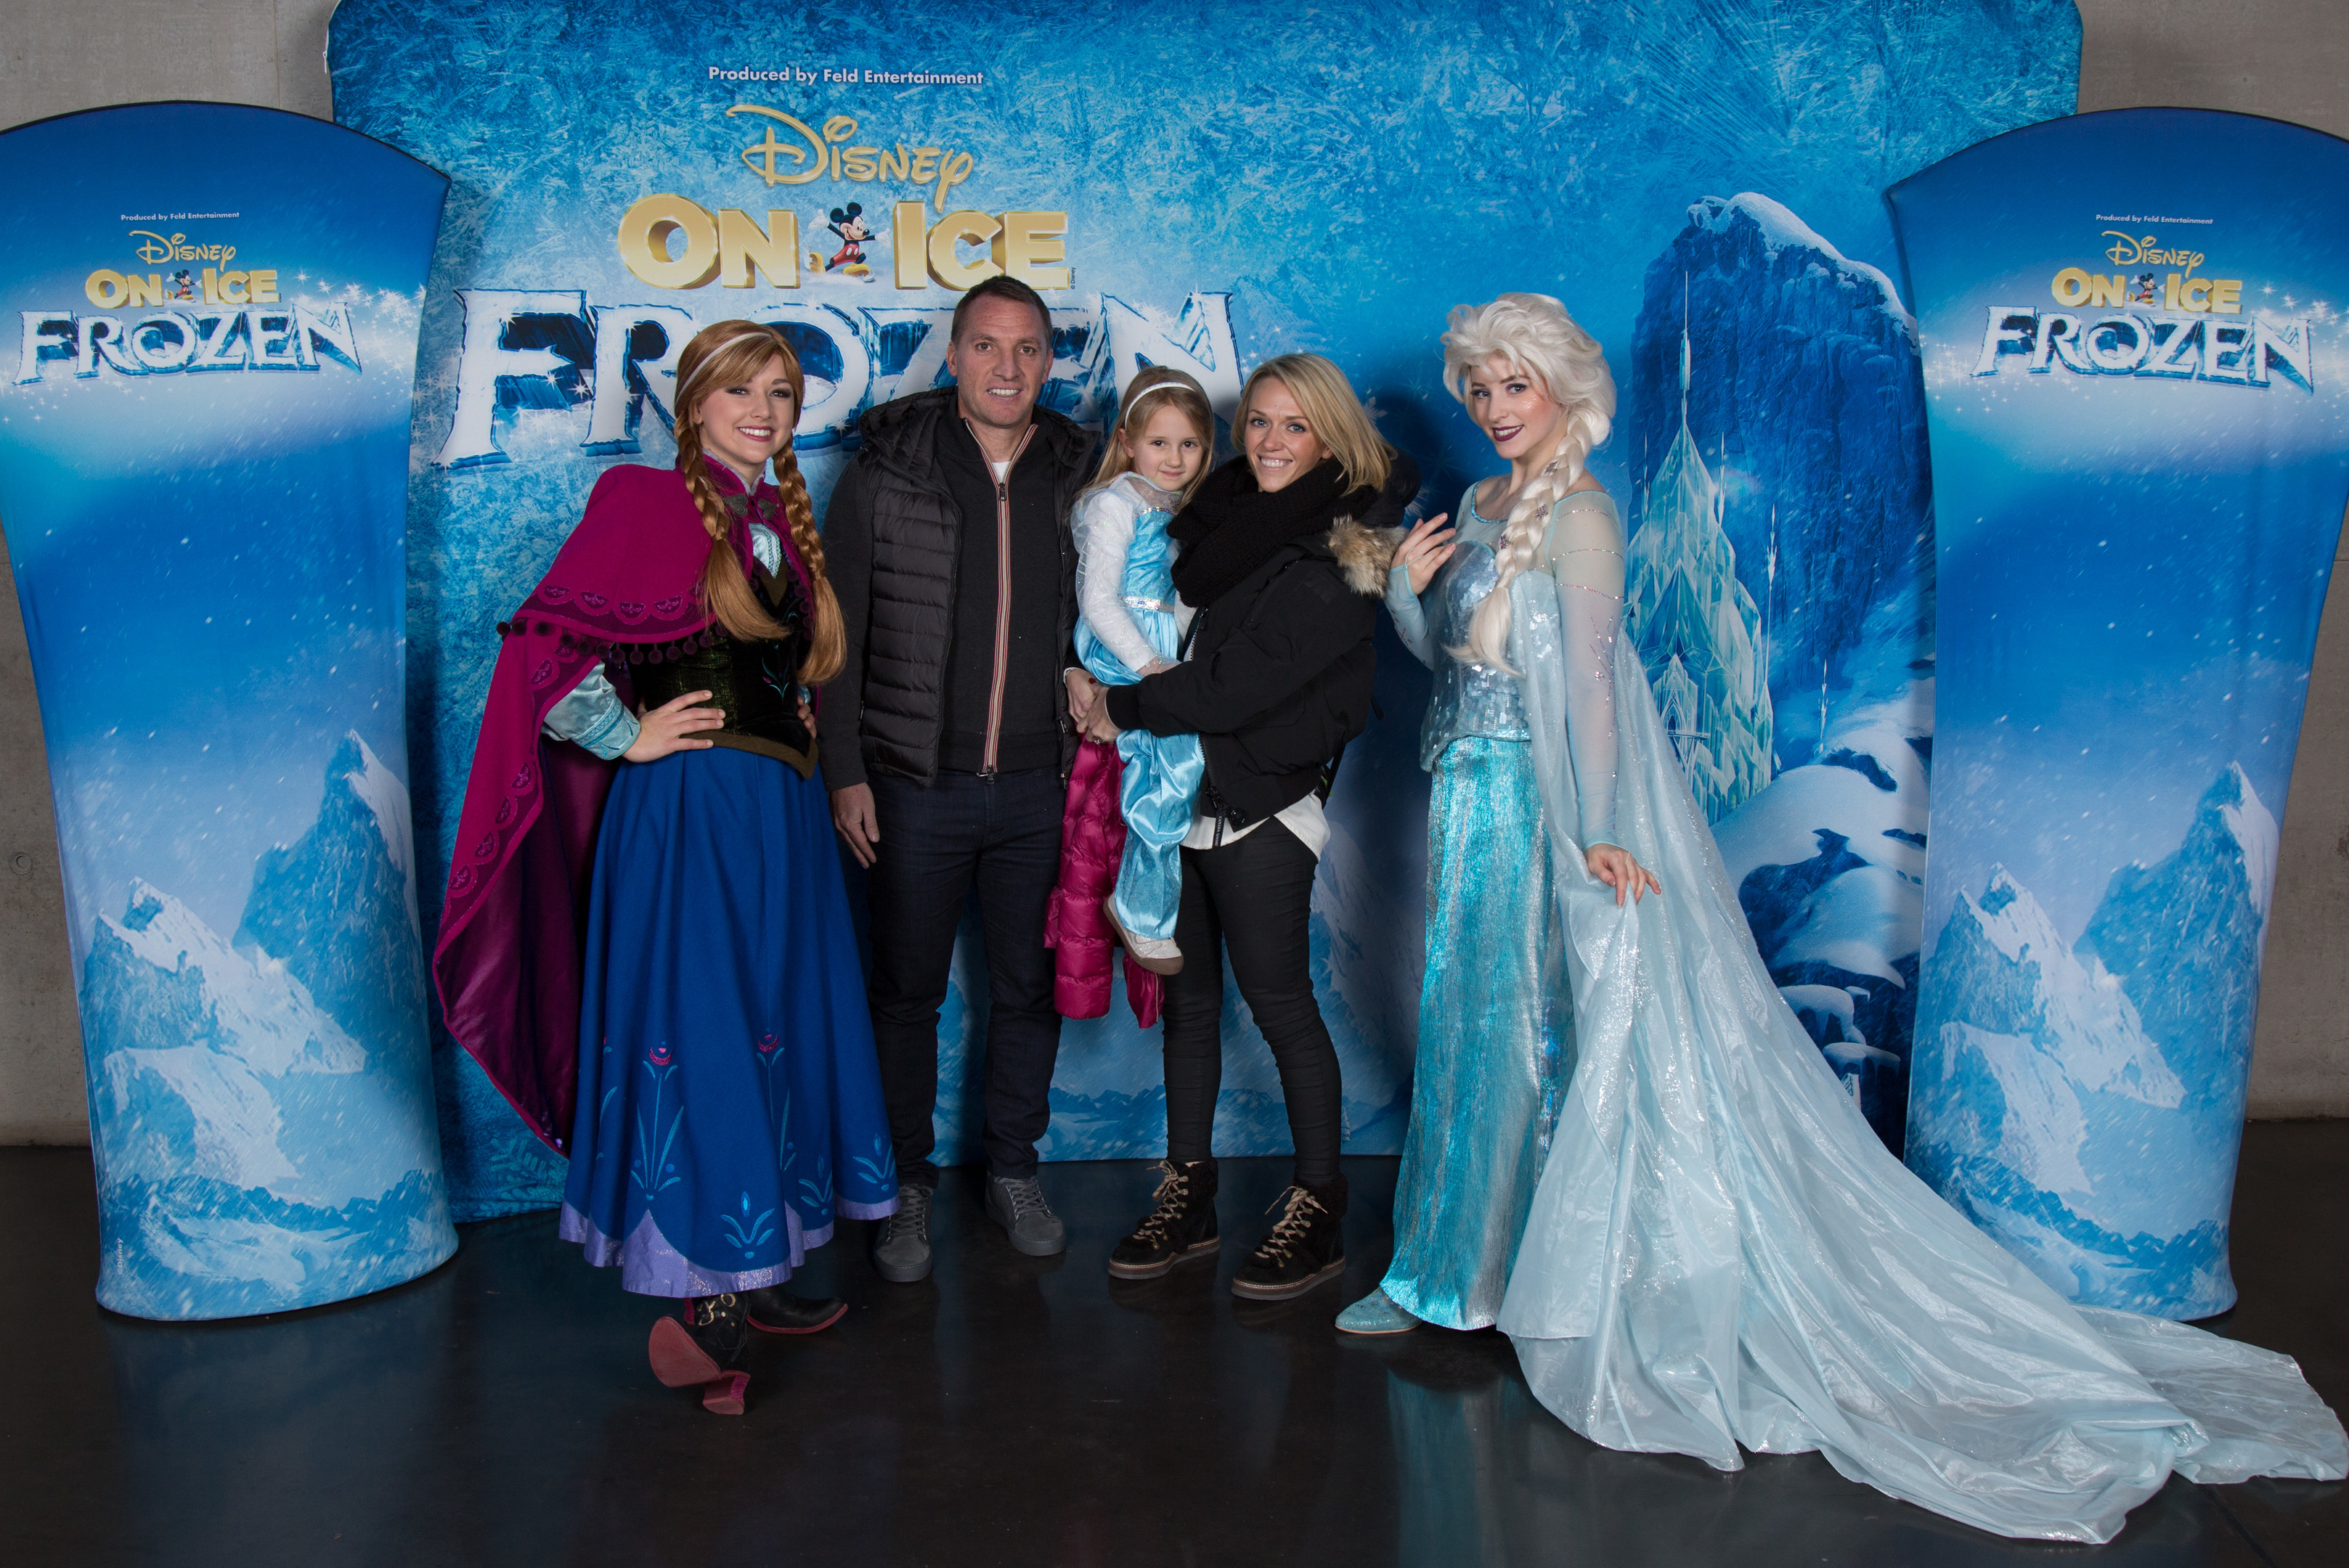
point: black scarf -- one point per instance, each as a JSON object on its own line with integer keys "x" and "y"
{"x": 1231, "y": 527}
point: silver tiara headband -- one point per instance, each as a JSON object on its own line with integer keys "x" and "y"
{"x": 1151, "y": 380}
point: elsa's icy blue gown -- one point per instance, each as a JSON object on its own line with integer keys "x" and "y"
{"x": 1495, "y": 1024}
{"x": 1720, "y": 1255}
{"x": 1128, "y": 615}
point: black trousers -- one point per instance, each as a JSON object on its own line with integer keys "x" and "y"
{"x": 1252, "y": 899}
{"x": 1004, "y": 835}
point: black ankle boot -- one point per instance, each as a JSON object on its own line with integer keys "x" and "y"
{"x": 774, "y": 1310}
{"x": 1305, "y": 1248}
{"x": 1182, "y": 1227}
{"x": 705, "y": 1341}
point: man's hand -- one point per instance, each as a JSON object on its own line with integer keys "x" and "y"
{"x": 1083, "y": 692}
{"x": 853, "y": 818}
{"x": 1097, "y": 724}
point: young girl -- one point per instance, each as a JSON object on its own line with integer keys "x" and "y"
{"x": 1129, "y": 625}
{"x": 707, "y": 1052}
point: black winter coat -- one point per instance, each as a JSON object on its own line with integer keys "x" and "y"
{"x": 894, "y": 542}
{"x": 1279, "y": 671}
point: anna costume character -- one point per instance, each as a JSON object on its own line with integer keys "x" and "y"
{"x": 646, "y": 942}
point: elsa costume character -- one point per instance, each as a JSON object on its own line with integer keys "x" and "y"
{"x": 1719, "y": 1253}
{"x": 1496, "y": 1020}
{"x": 1130, "y": 621}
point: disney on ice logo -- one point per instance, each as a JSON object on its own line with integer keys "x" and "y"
{"x": 210, "y": 318}
{"x": 814, "y": 154}
{"x": 674, "y": 242}
{"x": 2165, "y": 326}
{"x": 153, "y": 247}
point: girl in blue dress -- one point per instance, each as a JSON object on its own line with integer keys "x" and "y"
{"x": 1130, "y": 623}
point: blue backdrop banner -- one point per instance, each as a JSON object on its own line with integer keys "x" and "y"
{"x": 1191, "y": 186}
{"x": 203, "y": 459}
{"x": 2134, "y": 383}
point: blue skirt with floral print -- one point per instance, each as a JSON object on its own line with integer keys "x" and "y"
{"x": 729, "y": 1099}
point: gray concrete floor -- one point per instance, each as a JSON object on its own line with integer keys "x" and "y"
{"x": 1009, "y": 1410}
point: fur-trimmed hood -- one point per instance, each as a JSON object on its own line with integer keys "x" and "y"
{"x": 1363, "y": 553}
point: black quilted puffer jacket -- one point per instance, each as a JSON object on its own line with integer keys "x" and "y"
{"x": 895, "y": 541}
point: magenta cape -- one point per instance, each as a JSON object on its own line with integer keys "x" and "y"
{"x": 623, "y": 589}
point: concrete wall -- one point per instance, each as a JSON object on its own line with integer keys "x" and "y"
{"x": 2279, "y": 57}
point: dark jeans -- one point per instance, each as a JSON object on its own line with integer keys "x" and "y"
{"x": 1252, "y": 899}
{"x": 1004, "y": 834}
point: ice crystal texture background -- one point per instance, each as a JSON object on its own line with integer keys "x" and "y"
{"x": 1339, "y": 179}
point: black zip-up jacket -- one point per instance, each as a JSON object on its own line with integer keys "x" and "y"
{"x": 911, "y": 537}
{"x": 1279, "y": 671}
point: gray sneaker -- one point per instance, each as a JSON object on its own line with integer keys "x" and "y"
{"x": 901, "y": 1249}
{"x": 1017, "y": 1203}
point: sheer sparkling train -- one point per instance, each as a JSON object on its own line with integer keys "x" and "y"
{"x": 1719, "y": 1252}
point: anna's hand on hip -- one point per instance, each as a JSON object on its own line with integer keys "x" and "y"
{"x": 853, "y": 818}
{"x": 1616, "y": 867}
{"x": 672, "y": 728}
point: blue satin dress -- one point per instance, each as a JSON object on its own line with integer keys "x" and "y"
{"x": 1160, "y": 773}
{"x": 1495, "y": 1017}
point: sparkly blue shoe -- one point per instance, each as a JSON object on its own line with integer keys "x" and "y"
{"x": 1376, "y": 1314}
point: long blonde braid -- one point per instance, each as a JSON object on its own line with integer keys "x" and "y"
{"x": 1531, "y": 334}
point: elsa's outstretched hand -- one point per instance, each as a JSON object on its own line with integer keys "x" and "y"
{"x": 1614, "y": 866}
{"x": 1426, "y": 547}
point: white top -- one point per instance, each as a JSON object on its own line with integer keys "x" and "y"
{"x": 1103, "y": 526}
{"x": 1305, "y": 820}
{"x": 1003, "y": 471}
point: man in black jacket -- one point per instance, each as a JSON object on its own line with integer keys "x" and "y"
{"x": 944, "y": 739}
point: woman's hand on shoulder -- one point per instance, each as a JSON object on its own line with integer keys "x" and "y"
{"x": 1424, "y": 550}
{"x": 672, "y": 726}
{"x": 1615, "y": 866}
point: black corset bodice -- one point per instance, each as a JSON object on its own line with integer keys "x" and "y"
{"x": 754, "y": 684}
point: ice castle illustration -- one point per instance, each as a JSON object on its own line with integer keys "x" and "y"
{"x": 1698, "y": 628}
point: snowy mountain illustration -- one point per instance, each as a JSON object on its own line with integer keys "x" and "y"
{"x": 265, "y": 1103}
{"x": 1775, "y": 415}
{"x": 337, "y": 908}
{"x": 2078, "y": 1081}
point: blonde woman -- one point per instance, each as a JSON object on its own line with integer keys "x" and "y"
{"x": 1713, "y": 1251}
{"x": 1283, "y": 552}
{"x": 705, "y": 1059}
{"x": 1495, "y": 1026}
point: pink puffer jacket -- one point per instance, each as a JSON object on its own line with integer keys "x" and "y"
{"x": 1092, "y": 841}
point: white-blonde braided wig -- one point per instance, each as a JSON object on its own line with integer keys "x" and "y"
{"x": 1533, "y": 335}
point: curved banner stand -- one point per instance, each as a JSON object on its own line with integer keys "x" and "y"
{"x": 204, "y": 457}
{"x": 2133, "y": 329}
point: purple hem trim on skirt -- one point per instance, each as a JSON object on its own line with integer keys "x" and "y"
{"x": 849, "y": 1210}
{"x": 650, "y": 1266}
